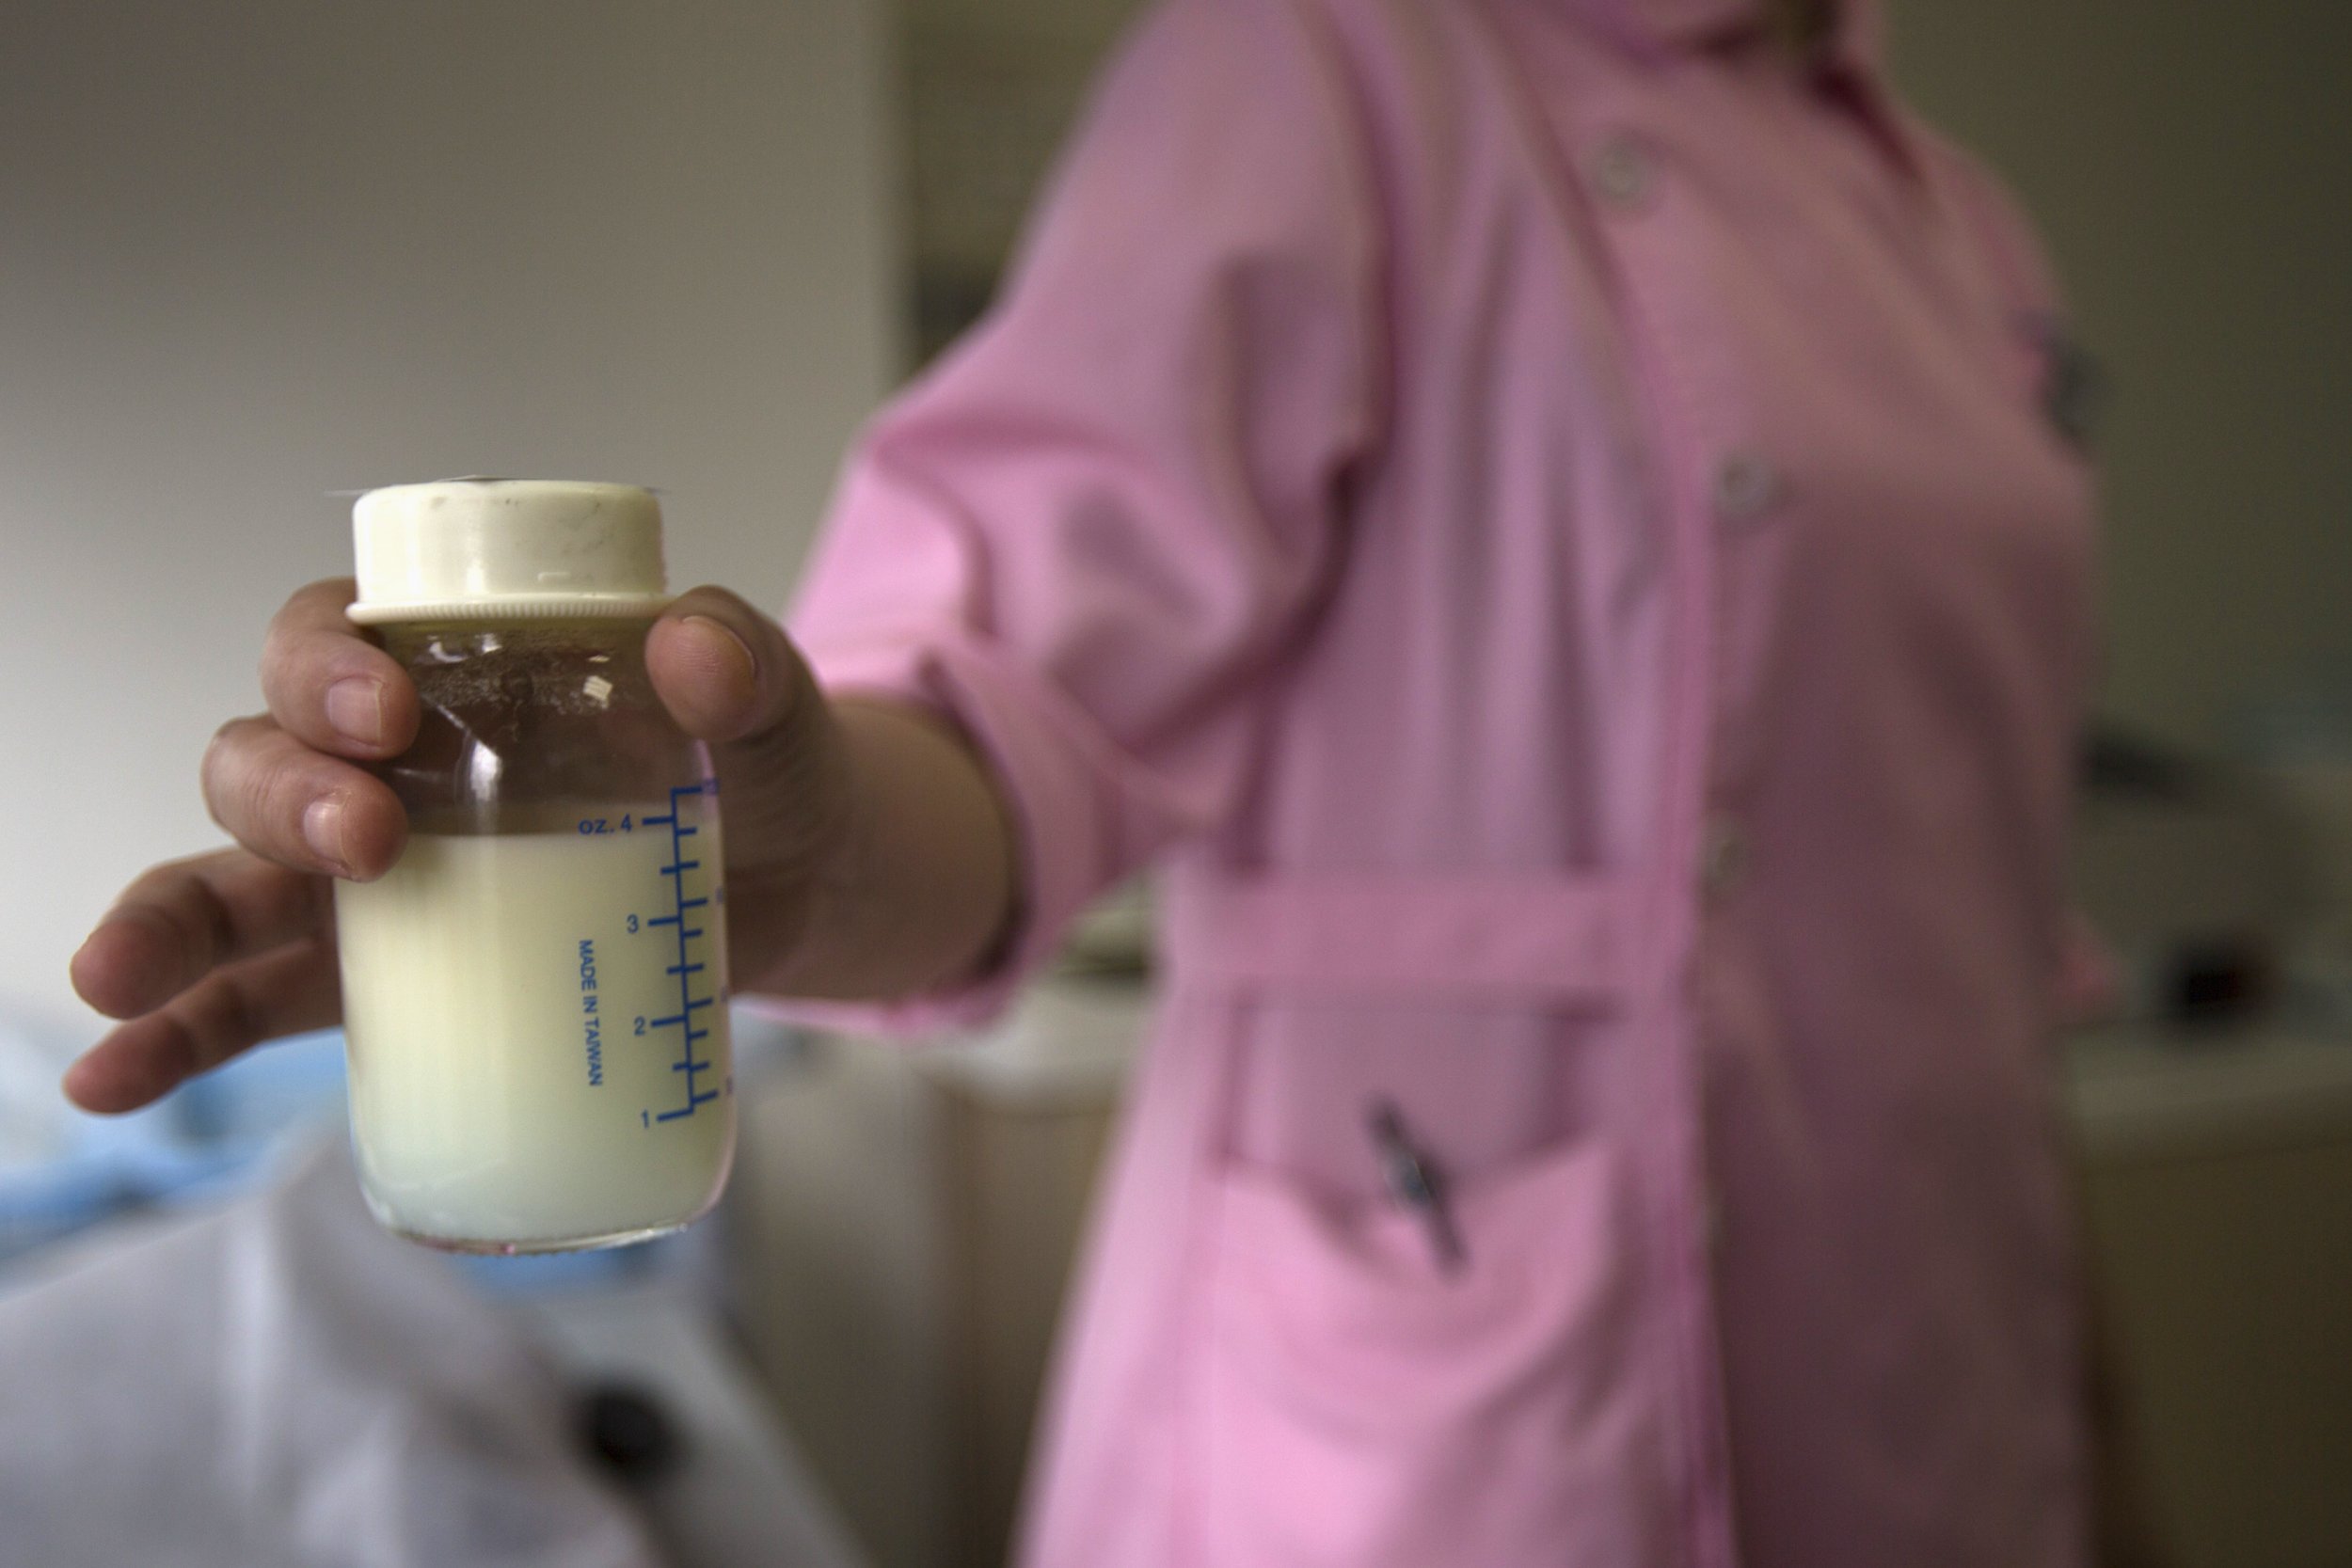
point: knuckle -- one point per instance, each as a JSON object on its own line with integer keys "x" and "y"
{"x": 229, "y": 752}
{"x": 252, "y": 773}
{"x": 238, "y": 1020}
{"x": 194, "y": 935}
{"x": 278, "y": 663}
{"x": 219, "y": 758}
{"x": 293, "y": 688}
{"x": 283, "y": 626}
{"x": 267, "y": 788}
{"x": 306, "y": 626}
{"x": 324, "y": 594}
{"x": 151, "y": 887}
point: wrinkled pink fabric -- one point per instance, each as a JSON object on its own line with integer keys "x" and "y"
{"x": 1539, "y": 515}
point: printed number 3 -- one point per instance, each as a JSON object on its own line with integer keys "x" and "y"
{"x": 632, "y": 924}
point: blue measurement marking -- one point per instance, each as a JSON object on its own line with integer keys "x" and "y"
{"x": 686, "y": 968}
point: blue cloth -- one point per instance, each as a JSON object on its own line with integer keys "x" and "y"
{"x": 210, "y": 1139}
{"x": 215, "y": 1137}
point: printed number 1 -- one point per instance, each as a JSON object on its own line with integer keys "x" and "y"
{"x": 644, "y": 1118}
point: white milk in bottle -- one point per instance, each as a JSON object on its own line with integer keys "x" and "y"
{"x": 534, "y": 996}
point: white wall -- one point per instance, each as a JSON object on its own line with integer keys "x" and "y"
{"x": 2191, "y": 166}
{"x": 255, "y": 252}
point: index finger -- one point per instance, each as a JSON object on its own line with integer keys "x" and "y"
{"x": 327, "y": 683}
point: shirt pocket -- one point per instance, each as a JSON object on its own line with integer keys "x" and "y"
{"x": 1363, "y": 1405}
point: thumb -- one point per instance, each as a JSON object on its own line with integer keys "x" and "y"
{"x": 728, "y": 675}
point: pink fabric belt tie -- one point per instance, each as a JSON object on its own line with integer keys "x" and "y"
{"x": 1547, "y": 940}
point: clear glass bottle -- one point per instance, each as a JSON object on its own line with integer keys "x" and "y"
{"x": 534, "y": 997}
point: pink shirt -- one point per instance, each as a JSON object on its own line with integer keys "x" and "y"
{"x": 1540, "y": 516}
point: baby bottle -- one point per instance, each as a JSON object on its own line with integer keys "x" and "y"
{"x": 534, "y": 997}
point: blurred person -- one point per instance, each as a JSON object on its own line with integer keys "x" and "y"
{"x": 1552, "y": 524}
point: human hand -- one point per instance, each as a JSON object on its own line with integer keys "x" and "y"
{"x": 201, "y": 958}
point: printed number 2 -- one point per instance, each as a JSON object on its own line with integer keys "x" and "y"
{"x": 641, "y": 1024}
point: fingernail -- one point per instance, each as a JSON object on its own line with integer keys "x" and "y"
{"x": 355, "y": 705}
{"x": 750, "y": 665}
{"x": 323, "y": 831}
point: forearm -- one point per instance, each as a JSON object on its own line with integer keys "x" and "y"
{"x": 917, "y": 883}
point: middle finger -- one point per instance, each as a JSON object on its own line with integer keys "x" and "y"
{"x": 291, "y": 804}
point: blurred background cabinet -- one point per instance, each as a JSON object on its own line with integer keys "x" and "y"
{"x": 2217, "y": 1175}
{"x": 905, "y": 1224}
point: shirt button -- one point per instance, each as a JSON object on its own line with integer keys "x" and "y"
{"x": 1623, "y": 172}
{"x": 1746, "y": 486}
{"x": 1723, "y": 857}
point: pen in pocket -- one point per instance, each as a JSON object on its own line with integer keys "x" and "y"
{"x": 1413, "y": 1184}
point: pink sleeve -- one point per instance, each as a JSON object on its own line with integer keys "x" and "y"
{"x": 1088, "y": 533}
{"x": 2012, "y": 245}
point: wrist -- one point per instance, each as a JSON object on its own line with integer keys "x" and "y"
{"x": 912, "y": 886}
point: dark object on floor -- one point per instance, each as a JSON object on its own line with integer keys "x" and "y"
{"x": 625, "y": 1428}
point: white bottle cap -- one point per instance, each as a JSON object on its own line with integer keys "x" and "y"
{"x": 471, "y": 549}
